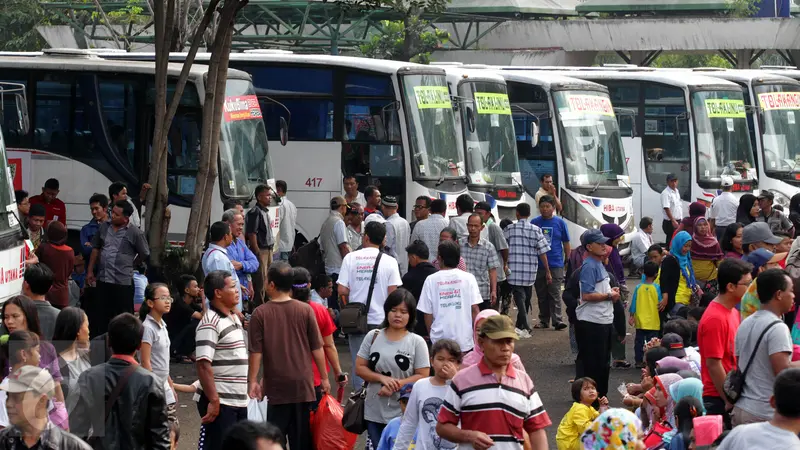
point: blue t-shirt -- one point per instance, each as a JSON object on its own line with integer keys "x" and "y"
{"x": 555, "y": 230}
{"x": 390, "y": 434}
{"x": 595, "y": 279}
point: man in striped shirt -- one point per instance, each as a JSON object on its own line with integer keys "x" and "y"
{"x": 493, "y": 401}
{"x": 221, "y": 361}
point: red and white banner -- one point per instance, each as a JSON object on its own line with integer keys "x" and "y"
{"x": 243, "y": 107}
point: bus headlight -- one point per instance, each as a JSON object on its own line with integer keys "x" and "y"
{"x": 577, "y": 213}
{"x": 781, "y": 199}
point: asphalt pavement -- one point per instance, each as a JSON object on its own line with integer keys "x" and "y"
{"x": 546, "y": 355}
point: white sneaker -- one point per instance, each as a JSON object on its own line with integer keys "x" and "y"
{"x": 523, "y": 334}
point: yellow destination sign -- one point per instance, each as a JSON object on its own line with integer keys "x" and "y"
{"x": 492, "y": 103}
{"x": 432, "y": 97}
{"x": 725, "y": 108}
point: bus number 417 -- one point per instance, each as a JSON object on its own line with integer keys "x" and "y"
{"x": 314, "y": 182}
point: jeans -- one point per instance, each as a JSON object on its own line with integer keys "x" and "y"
{"x": 374, "y": 431}
{"x": 211, "y": 434}
{"x": 716, "y": 405}
{"x": 668, "y": 229}
{"x": 282, "y": 256}
{"x": 521, "y": 295}
{"x": 594, "y": 353}
{"x": 549, "y": 296}
{"x": 112, "y": 299}
{"x": 293, "y": 419}
{"x": 642, "y": 336}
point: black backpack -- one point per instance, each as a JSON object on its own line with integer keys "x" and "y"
{"x": 310, "y": 257}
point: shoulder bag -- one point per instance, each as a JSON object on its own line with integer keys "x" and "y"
{"x": 735, "y": 379}
{"x": 353, "y": 416}
{"x": 353, "y": 317}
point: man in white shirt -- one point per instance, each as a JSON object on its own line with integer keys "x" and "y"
{"x": 641, "y": 242}
{"x": 288, "y": 219}
{"x": 672, "y": 207}
{"x": 402, "y": 231}
{"x": 723, "y": 208}
{"x": 351, "y": 192}
{"x": 465, "y": 206}
{"x": 450, "y": 299}
{"x": 355, "y": 277}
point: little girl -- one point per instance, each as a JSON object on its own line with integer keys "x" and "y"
{"x": 581, "y": 415}
{"x": 154, "y": 353}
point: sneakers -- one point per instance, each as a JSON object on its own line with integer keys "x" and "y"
{"x": 523, "y": 334}
{"x": 560, "y": 326}
{"x": 621, "y": 364}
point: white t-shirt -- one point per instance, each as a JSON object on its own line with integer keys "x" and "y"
{"x": 723, "y": 209}
{"x": 356, "y": 274}
{"x": 448, "y": 295}
{"x": 421, "y": 418}
{"x": 761, "y": 435}
{"x": 671, "y": 199}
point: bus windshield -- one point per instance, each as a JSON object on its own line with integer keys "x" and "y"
{"x": 780, "y": 105}
{"x": 590, "y": 139}
{"x": 723, "y": 140}
{"x": 491, "y": 150}
{"x": 9, "y": 222}
{"x": 243, "y": 152}
{"x": 432, "y": 129}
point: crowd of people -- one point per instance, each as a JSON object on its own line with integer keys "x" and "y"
{"x": 425, "y": 308}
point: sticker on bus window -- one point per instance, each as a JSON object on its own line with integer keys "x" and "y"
{"x": 186, "y": 185}
{"x": 590, "y": 104}
{"x": 243, "y": 107}
{"x": 723, "y": 108}
{"x": 492, "y": 103}
{"x": 12, "y": 219}
{"x": 779, "y": 100}
{"x": 729, "y": 124}
{"x": 790, "y": 117}
{"x": 432, "y": 97}
{"x": 601, "y": 128}
{"x": 494, "y": 120}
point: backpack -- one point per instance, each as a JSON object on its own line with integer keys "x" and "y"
{"x": 310, "y": 257}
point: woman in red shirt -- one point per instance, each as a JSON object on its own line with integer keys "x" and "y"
{"x": 60, "y": 258}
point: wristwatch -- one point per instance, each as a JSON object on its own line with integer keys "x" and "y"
{"x": 609, "y": 297}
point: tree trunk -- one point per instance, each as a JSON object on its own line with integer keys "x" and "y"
{"x": 209, "y": 141}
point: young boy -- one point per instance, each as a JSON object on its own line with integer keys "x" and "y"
{"x": 644, "y": 310}
{"x": 426, "y": 399}
{"x": 389, "y": 435}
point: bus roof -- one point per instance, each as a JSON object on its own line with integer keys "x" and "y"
{"x": 682, "y": 79}
{"x": 285, "y": 57}
{"x": 550, "y": 80}
{"x": 481, "y": 73}
{"x": 745, "y": 76}
{"x": 72, "y": 60}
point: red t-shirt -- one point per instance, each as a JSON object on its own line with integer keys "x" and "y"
{"x": 716, "y": 334}
{"x": 326, "y": 328}
{"x": 55, "y": 210}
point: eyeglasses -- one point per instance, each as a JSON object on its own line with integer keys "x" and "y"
{"x": 420, "y": 207}
{"x": 165, "y": 299}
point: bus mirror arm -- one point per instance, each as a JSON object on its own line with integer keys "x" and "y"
{"x": 284, "y": 124}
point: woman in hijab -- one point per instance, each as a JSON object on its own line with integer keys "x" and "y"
{"x": 475, "y": 356}
{"x": 677, "y": 274}
{"x": 663, "y": 398}
{"x": 748, "y": 209}
{"x": 687, "y": 387}
{"x": 615, "y": 429}
{"x": 696, "y": 210}
{"x": 673, "y": 363}
{"x": 706, "y": 252}
{"x": 732, "y": 241}
{"x": 614, "y": 233}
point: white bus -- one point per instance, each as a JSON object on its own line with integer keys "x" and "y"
{"x": 566, "y": 127}
{"x": 485, "y": 121}
{"x": 388, "y": 123}
{"x": 690, "y": 125}
{"x": 93, "y": 124}
{"x": 13, "y": 252}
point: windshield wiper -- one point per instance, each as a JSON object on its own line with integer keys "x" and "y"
{"x": 628, "y": 187}
{"x": 25, "y": 234}
{"x": 599, "y": 180}
{"x": 499, "y": 160}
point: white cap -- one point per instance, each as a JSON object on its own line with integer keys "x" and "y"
{"x": 727, "y": 181}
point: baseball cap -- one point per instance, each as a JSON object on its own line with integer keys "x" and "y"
{"x": 727, "y": 181}
{"x": 483, "y": 206}
{"x": 405, "y": 391}
{"x": 498, "y": 327}
{"x": 762, "y": 256}
{"x": 671, "y": 177}
{"x": 674, "y": 343}
{"x": 338, "y": 202}
{"x": 592, "y": 236}
{"x": 766, "y": 194}
{"x": 31, "y": 378}
{"x": 389, "y": 200}
{"x": 759, "y": 232}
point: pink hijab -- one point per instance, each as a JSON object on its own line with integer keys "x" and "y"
{"x": 475, "y": 356}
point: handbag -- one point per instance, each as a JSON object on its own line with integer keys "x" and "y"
{"x": 655, "y": 438}
{"x": 735, "y": 379}
{"x": 353, "y": 317}
{"x": 353, "y": 417}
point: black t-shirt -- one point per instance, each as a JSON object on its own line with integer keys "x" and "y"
{"x": 179, "y": 316}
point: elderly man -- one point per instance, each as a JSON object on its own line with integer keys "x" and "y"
{"x": 355, "y": 231}
{"x": 777, "y": 220}
{"x": 244, "y": 261}
{"x": 216, "y": 257}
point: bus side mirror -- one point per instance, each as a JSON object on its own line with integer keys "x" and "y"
{"x": 634, "y": 132}
{"x": 470, "y": 120}
{"x": 534, "y": 134}
{"x": 676, "y": 130}
{"x": 761, "y": 122}
{"x": 24, "y": 119}
{"x": 284, "y": 131}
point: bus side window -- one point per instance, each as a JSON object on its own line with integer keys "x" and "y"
{"x": 119, "y": 114}
{"x": 14, "y": 137}
{"x": 54, "y": 110}
{"x": 666, "y": 148}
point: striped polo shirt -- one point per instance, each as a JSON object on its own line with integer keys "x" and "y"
{"x": 220, "y": 340}
{"x": 501, "y": 410}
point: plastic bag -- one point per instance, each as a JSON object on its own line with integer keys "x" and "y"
{"x": 257, "y": 410}
{"x": 326, "y": 426}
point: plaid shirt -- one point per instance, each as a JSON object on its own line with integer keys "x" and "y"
{"x": 525, "y": 243}
{"x": 480, "y": 260}
{"x": 428, "y": 231}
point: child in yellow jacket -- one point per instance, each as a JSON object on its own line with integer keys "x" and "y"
{"x": 581, "y": 415}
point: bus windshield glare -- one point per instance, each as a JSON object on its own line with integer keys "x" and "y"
{"x": 491, "y": 148}
{"x": 9, "y": 222}
{"x": 723, "y": 140}
{"x": 243, "y": 152}
{"x": 590, "y": 139}
{"x": 780, "y": 105}
{"x": 432, "y": 130}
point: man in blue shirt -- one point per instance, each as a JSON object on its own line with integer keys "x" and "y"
{"x": 595, "y": 313}
{"x": 549, "y": 282}
{"x": 243, "y": 259}
{"x": 216, "y": 256}
{"x": 97, "y": 204}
